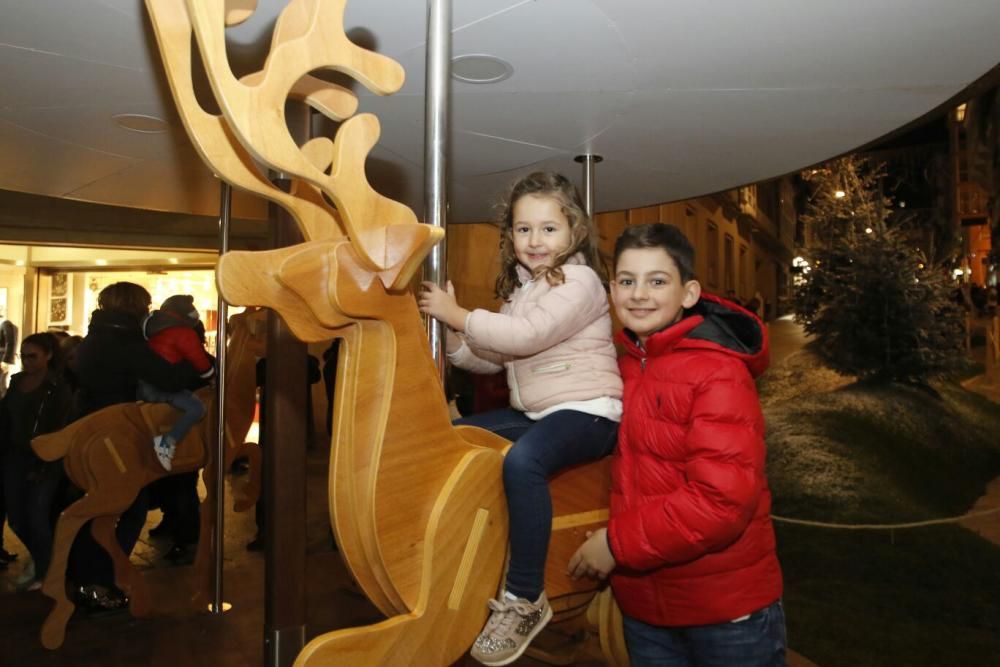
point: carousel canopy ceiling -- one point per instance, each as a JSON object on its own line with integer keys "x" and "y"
{"x": 680, "y": 98}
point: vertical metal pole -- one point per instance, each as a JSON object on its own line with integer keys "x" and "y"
{"x": 438, "y": 68}
{"x": 588, "y": 162}
{"x": 283, "y": 418}
{"x": 225, "y": 207}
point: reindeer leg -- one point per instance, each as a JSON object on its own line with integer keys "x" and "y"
{"x": 465, "y": 540}
{"x": 68, "y": 525}
{"x": 251, "y": 492}
{"x": 127, "y": 577}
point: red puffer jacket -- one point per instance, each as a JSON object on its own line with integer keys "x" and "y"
{"x": 690, "y": 522}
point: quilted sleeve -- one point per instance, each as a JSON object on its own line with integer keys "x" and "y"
{"x": 557, "y": 315}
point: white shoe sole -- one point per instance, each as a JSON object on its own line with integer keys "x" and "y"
{"x": 527, "y": 642}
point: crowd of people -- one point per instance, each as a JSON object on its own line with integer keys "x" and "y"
{"x": 64, "y": 378}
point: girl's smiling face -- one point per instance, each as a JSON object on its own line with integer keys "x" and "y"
{"x": 540, "y": 231}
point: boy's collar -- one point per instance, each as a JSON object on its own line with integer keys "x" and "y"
{"x": 663, "y": 339}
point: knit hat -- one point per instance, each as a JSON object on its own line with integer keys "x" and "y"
{"x": 183, "y": 306}
{"x": 176, "y": 311}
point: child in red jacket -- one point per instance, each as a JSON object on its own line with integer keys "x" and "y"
{"x": 172, "y": 333}
{"x": 689, "y": 546}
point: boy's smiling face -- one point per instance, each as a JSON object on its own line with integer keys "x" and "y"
{"x": 648, "y": 292}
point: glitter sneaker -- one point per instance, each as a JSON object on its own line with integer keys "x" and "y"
{"x": 509, "y": 630}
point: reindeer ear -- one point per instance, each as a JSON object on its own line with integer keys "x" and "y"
{"x": 406, "y": 247}
{"x": 254, "y": 279}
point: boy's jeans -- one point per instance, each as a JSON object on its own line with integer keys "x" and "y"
{"x": 191, "y": 407}
{"x": 758, "y": 641}
{"x": 541, "y": 449}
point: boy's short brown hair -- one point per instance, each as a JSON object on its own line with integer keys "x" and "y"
{"x": 659, "y": 235}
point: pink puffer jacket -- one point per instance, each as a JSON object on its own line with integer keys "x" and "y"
{"x": 555, "y": 341}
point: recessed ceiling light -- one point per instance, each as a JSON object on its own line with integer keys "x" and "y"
{"x": 101, "y": 262}
{"x": 480, "y": 68}
{"x": 137, "y": 122}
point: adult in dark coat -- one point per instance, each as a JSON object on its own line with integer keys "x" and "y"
{"x": 37, "y": 402}
{"x": 110, "y": 361}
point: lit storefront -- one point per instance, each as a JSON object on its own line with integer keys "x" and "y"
{"x": 46, "y": 288}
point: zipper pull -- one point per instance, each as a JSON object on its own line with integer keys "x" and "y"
{"x": 642, "y": 363}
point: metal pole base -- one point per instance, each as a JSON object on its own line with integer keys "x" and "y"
{"x": 283, "y": 645}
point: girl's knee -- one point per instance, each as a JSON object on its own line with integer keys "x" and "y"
{"x": 519, "y": 463}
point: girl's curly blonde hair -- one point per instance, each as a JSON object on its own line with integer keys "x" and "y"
{"x": 582, "y": 231}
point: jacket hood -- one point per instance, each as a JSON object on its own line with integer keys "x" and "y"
{"x": 712, "y": 324}
{"x": 165, "y": 319}
{"x": 114, "y": 319}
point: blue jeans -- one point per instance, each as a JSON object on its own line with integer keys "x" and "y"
{"x": 31, "y": 488}
{"x": 541, "y": 449}
{"x": 758, "y": 641}
{"x": 190, "y": 406}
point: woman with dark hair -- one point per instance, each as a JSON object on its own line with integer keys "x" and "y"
{"x": 110, "y": 361}
{"x": 37, "y": 402}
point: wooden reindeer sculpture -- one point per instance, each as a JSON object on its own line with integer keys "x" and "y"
{"x": 109, "y": 455}
{"x": 417, "y": 505}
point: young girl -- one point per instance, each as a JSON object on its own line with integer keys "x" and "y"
{"x": 553, "y": 335}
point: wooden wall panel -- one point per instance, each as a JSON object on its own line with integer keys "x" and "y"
{"x": 473, "y": 263}
{"x": 609, "y": 228}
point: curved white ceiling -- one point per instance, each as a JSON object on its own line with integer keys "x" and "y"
{"x": 681, "y": 98}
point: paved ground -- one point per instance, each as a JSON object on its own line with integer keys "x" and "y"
{"x": 786, "y": 337}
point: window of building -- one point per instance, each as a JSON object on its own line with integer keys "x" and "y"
{"x": 744, "y": 270}
{"x": 728, "y": 271}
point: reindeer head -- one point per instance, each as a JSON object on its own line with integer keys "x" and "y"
{"x": 364, "y": 237}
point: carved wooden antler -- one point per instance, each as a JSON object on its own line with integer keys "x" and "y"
{"x": 308, "y": 36}
{"x": 216, "y": 144}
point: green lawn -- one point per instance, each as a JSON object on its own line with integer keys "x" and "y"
{"x": 851, "y": 453}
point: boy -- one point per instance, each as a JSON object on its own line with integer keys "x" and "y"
{"x": 689, "y": 545}
{"x": 173, "y": 334}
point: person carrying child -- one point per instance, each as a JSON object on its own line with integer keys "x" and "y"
{"x": 553, "y": 336}
{"x": 689, "y": 545}
{"x": 172, "y": 334}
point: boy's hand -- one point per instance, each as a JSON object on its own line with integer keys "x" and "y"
{"x": 593, "y": 558}
{"x": 442, "y": 305}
